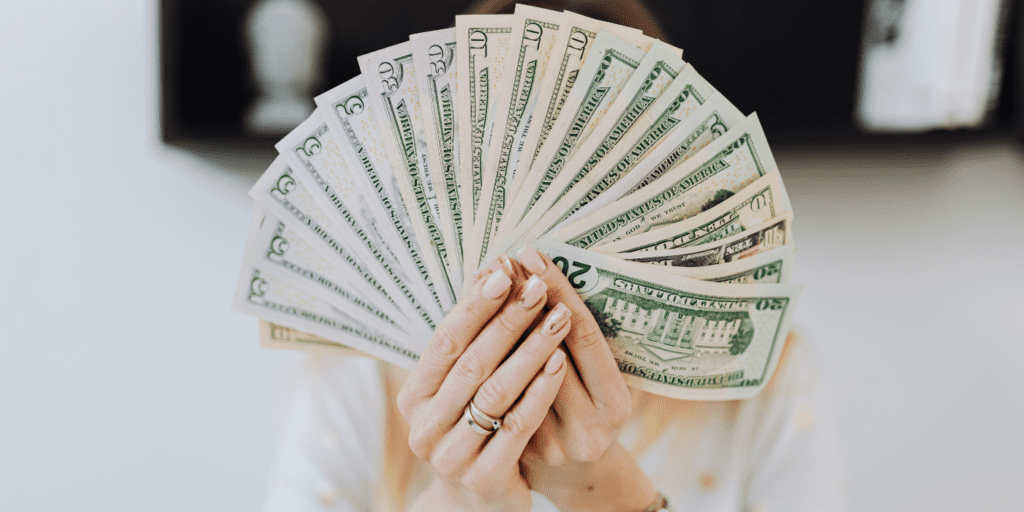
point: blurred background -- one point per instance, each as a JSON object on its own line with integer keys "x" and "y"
{"x": 133, "y": 129}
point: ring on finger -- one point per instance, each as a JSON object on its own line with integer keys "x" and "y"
{"x": 478, "y": 415}
{"x": 477, "y": 426}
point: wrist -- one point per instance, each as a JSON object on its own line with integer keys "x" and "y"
{"x": 442, "y": 495}
{"x": 435, "y": 497}
{"x": 614, "y": 483}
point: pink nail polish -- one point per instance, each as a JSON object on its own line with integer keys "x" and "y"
{"x": 480, "y": 274}
{"x": 496, "y": 285}
{"x": 556, "y": 320}
{"x": 533, "y": 292}
{"x": 531, "y": 259}
{"x": 555, "y": 362}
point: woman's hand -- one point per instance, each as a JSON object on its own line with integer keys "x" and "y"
{"x": 574, "y": 458}
{"x": 468, "y": 359}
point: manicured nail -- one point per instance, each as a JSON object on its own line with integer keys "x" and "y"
{"x": 496, "y": 285}
{"x": 533, "y": 292}
{"x": 492, "y": 263}
{"x": 557, "y": 319}
{"x": 531, "y": 259}
{"x": 503, "y": 264}
{"x": 555, "y": 362}
{"x": 479, "y": 274}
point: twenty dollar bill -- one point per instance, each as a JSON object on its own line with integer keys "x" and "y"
{"x": 676, "y": 336}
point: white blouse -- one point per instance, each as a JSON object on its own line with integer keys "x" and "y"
{"x": 774, "y": 452}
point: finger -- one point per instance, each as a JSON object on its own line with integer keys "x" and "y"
{"x": 452, "y": 337}
{"x": 584, "y": 430}
{"x": 545, "y": 446}
{"x": 457, "y": 448}
{"x": 573, "y": 402}
{"x": 521, "y": 422}
{"x": 511, "y": 267}
{"x": 486, "y": 352}
{"x": 504, "y": 386}
{"x": 587, "y": 345}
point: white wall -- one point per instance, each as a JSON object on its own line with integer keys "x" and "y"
{"x": 127, "y": 384}
{"x": 912, "y": 263}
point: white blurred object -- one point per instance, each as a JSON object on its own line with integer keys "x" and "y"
{"x": 929, "y": 64}
{"x": 286, "y": 39}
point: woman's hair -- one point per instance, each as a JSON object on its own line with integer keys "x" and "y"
{"x": 631, "y": 13}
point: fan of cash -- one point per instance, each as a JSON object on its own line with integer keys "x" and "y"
{"x": 601, "y": 147}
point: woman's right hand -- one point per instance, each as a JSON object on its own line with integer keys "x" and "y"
{"x": 468, "y": 359}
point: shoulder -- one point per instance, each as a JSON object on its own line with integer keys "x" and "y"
{"x": 798, "y": 366}
{"x": 347, "y": 403}
{"x": 791, "y": 453}
{"x": 789, "y": 400}
{"x": 354, "y": 380}
{"x": 330, "y": 443}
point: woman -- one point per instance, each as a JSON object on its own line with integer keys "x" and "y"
{"x": 522, "y": 348}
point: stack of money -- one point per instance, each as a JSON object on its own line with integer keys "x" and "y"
{"x": 601, "y": 147}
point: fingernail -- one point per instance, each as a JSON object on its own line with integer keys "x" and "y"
{"x": 476, "y": 276}
{"x": 496, "y": 285}
{"x": 556, "y": 319}
{"x": 492, "y": 263}
{"x": 503, "y": 264}
{"x": 531, "y": 259}
{"x": 534, "y": 291}
{"x": 555, "y": 362}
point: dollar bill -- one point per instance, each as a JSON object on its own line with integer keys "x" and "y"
{"x": 774, "y": 233}
{"x": 278, "y": 336}
{"x": 635, "y": 127}
{"x": 394, "y": 100}
{"x": 481, "y": 43}
{"x": 707, "y": 123}
{"x": 391, "y": 333}
{"x": 355, "y": 133}
{"x": 772, "y": 266}
{"x": 730, "y": 163}
{"x": 311, "y": 147}
{"x": 269, "y": 297}
{"x": 279, "y": 250}
{"x": 433, "y": 57}
{"x": 356, "y": 319}
{"x": 606, "y": 71}
{"x": 572, "y": 44}
{"x": 285, "y": 197}
{"x": 556, "y": 93}
{"x": 529, "y": 51}
{"x": 275, "y": 245}
{"x": 723, "y": 216}
{"x": 680, "y": 337}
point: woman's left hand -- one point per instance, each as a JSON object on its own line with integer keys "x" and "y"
{"x": 574, "y": 458}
